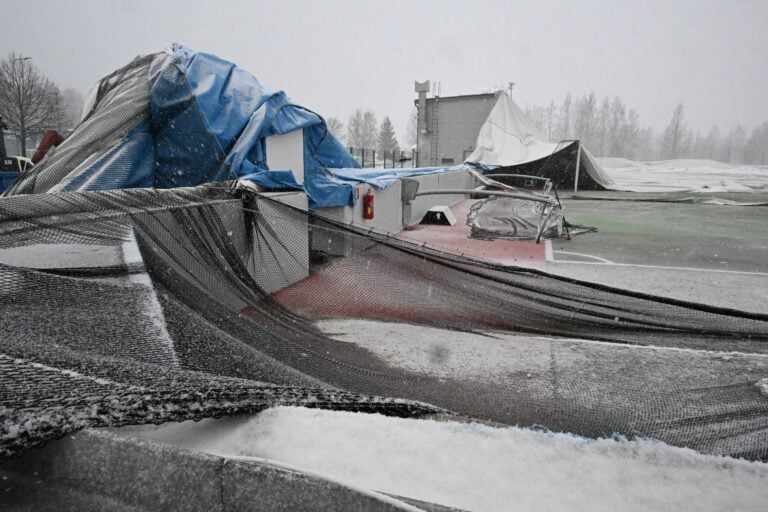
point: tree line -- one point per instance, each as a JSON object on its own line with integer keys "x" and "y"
{"x": 363, "y": 132}
{"x": 609, "y": 128}
{"x": 30, "y": 103}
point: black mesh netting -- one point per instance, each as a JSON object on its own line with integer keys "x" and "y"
{"x": 143, "y": 306}
{"x": 122, "y": 99}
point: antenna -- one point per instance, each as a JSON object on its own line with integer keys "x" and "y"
{"x": 436, "y": 88}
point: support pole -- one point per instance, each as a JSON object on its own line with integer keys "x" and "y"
{"x": 578, "y": 165}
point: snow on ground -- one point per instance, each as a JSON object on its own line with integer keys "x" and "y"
{"x": 131, "y": 256}
{"x": 746, "y": 291}
{"x": 59, "y": 255}
{"x": 478, "y": 467}
{"x": 444, "y": 354}
{"x": 685, "y": 176}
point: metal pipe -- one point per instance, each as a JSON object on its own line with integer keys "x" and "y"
{"x": 476, "y": 192}
{"x": 527, "y": 176}
{"x": 578, "y": 164}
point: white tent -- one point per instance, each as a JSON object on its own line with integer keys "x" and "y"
{"x": 509, "y": 138}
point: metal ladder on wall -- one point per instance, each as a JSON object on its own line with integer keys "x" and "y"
{"x": 434, "y": 130}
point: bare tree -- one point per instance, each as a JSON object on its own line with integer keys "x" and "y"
{"x": 72, "y": 108}
{"x": 585, "y": 113}
{"x": 712, "y": 144}
{"x": 564, "y": 122}
{"x": 737, "y": 144}
{"x": 336, "y": 127}
{"x": 672, "y": 141}
{"x": 537, "y": 115}
{"x": 28, "y": 100}
{"x": 602, "y": 126}
{"x": 410, "y": 130}
{"x": 370, "y": 130}
{"x": 756, "y": 151}
{"x": 618, "y": 117}
{"x": 355, "y": 129}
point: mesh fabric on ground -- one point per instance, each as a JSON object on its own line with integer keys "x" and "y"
{"x": 192, "y": 329}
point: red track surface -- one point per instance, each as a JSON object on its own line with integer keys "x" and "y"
{"x": 456, "y": 239}
{"x": 410, "y": 290}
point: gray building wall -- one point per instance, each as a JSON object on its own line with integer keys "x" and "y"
{"x": 453, "y": 123}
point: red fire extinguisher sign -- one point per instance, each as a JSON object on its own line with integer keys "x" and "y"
{"x": 368, "y": 205}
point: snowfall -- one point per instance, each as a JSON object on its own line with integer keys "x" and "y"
{"x": 476, "y": 466}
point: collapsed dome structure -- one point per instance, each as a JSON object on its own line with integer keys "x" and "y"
{"x": 144, "y": 280}
{"x": 510, "y": 140}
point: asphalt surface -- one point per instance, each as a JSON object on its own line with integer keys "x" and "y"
{"x": 714, "y": 254}
{"x": 733, "y": 238}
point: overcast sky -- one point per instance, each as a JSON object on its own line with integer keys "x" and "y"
{"x": 335, "y": 56}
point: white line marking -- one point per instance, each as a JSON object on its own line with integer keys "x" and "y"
{"x": 602, "y": 261}
{"x": 548, "y": 250}
{"x": 764, "y": 274}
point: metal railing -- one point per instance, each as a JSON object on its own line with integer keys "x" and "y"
{"x": 371, "y": 158}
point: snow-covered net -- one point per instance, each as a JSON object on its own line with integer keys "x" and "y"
{"x": 140, "y": 306}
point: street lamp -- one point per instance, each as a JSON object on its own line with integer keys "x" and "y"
{"x": 20, "y": 59}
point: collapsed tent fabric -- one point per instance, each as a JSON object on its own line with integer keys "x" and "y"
{"x": 183, "y": 118}
{"x": 509, "y": 138}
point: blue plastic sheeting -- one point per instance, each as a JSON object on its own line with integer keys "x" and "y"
{"x": 482, "y": 167}
{"x": 226, "y": 94}
{"x": 208, "y": 120}
{"x": 6, "y": 179}
{"x": 129, "y": 164}
{"x": 187, "y": 154}
{"x": 274, "y": 179}
{"x": 214, "y": 118}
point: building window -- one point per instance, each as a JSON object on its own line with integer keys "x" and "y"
{"x": 446, "y": 161}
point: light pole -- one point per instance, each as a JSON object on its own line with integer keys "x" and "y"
{"x": 19, "y": 59}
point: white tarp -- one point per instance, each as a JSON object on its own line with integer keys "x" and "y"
{"x": 685, "y": 175}
{"x": 509, "y": 137}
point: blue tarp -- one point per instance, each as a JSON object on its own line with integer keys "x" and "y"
{"x": 208, "y": 121}
{"x": 129, "y": 164}
{"x": 213, "y": 117}
{"x": 6, "y": 179}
